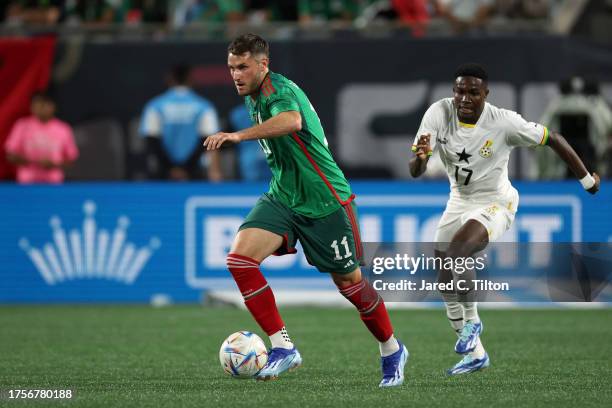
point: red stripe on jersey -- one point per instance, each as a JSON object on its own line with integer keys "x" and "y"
{"x": 345, "y": 204}
{"x": 289, "y": 250}
{"x": 355, "y": 229}
{"x": 319, "y": 172}
{"x": 269, "y": 86}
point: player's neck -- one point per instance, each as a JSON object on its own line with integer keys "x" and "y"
{"x": 470, "y": 121}
{"x": 255, "y": 94}
{"x": 44, "y": 121}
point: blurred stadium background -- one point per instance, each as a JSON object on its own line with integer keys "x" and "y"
{"x": 113, "y": 232}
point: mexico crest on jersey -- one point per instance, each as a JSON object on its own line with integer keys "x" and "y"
{"x": 486, "y": 150}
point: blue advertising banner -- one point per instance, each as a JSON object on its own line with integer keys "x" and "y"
{"x": 131, "y": 242}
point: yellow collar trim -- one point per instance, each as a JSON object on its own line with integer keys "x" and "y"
{"x": 467, "y": 125}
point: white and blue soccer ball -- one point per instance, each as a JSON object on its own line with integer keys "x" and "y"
{"x": 243, "y": 354}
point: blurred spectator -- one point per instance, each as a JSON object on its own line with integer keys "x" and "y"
{"x": 174, "y": 123}
{"x": 465, "y": 15}
{"x": 41, "y": 145}
{"x": 92, "y": 11}
{"x": 412, "y": 13}
{"x": 134, "y": 12}
{"x": 251, "y": 159}
{"x": 524, "y": 8}
{"x": 212, "y": 11}
{"x": 320, "y": 11}
{"x": 584, "y": 118}
{"x": 39, "y": 12}
{"x": 272, "y": 10}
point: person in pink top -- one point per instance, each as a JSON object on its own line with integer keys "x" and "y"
{"x": 41, "y": 145}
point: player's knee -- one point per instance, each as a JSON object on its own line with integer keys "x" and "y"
{"x": 465, "y": 280}
{"x": 464, "y": 249}
{"x": 348, "y": 279}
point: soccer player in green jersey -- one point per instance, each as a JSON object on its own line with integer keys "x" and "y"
{"x": 309, "y": 200}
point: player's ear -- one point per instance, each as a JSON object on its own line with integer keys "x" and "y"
{"x": 486, "y": 92}
{"x": 265, "y": 61}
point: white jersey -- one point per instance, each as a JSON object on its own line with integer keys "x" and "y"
{"x": 476, "y": 156}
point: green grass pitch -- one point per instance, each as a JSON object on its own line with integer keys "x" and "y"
{"x": 135, "y": 356}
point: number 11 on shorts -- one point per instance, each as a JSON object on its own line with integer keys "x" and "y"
{"x": 336, "y": 248}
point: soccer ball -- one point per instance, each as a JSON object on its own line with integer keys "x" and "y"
{"x": 243, "y": 354}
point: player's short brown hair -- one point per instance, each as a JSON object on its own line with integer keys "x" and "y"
{"x": 249, "y": 43}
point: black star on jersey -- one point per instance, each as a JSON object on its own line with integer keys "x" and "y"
{"x": 464, "y": 156}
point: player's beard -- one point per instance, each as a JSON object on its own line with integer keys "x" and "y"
{"x": 254, "y": 87}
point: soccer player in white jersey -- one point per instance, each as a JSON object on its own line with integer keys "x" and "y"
{"x": 474, "y": 140}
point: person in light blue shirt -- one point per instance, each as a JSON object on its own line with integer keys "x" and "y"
{"x": 174, "y": 124}
{"x": 251, "y": 159}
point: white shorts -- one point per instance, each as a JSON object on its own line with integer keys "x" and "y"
{"x": 496, "y": 214}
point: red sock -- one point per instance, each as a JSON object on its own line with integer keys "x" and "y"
{"x": 258, "y": 296}
{"x": 371, "y": 308}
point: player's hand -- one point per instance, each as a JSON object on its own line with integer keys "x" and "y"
{"x": 423, "y": 148}
{"x": 47, "y": 164}
{"x": 595, "y": 188}
{"x": 214, "y": 142}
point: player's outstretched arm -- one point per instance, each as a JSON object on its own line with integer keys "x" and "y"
{"x": 280, "y": 125}
{"x": 16, "y": 159}
{"x": 566, "y": 152}
{"x": 422, "y": 152}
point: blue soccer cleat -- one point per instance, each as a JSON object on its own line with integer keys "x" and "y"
{"x": 393, "y": 367}
{"x": 469, "y": 364}
{"x": 468, "y": 338}
{"x": 279, "y": 361}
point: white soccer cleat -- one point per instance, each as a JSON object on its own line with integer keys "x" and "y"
{"x": 469, "y": 364}
{"x": 279, "y": 361}
{"x": 468, "y": 338}
{"x": 393, "y": 367}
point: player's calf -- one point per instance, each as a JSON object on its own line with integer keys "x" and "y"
{"x": 258, "y": 296}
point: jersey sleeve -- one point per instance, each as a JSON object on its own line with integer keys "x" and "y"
{"x": 282, "y": 101}
{"x": 523, "y": 133}
{"x": 208, "y": 122}
{"x": 431, "y": 123}
{"x": 70, "y": 150}
{"x": 14, "y": 142}
{"x": 151, "y": 122}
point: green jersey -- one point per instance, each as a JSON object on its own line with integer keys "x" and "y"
{"x": 305, "y": 176}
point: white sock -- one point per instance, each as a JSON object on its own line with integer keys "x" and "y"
{"x": 470, "y": 312}
{"x": 388, "y": 347}
{"x": 281, "y": 339}
{"x": 479, "y": 351}
{"x": 454, "y": 311}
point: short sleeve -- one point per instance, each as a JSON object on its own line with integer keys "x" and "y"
{"x": 208, "y": 122}
{"x": 523, "y": 133}
{"x": 14, "y": 142}
{"x": 431, "y": 123}
{"x": 151, "y": 122}
{"x": 70, "y": 150}
{"x": 282, "y": 102}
